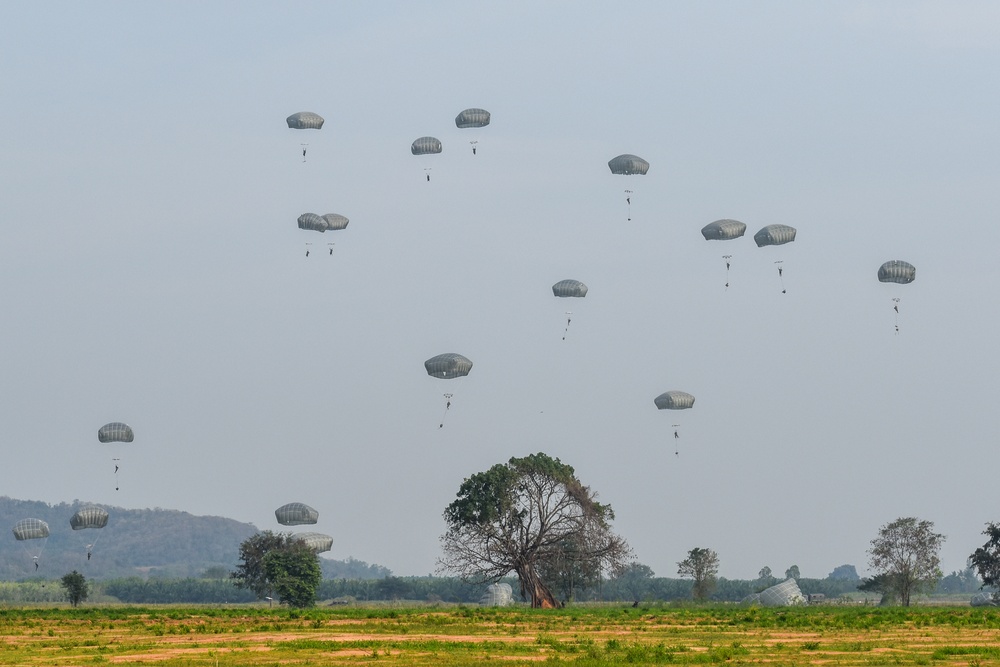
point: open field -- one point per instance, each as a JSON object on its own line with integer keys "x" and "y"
{"x": 172, "y": 636}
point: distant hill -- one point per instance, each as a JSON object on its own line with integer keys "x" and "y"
{"x": 136, "y": 542}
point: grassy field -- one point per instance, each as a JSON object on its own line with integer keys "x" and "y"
{"x": 171, "y": 636}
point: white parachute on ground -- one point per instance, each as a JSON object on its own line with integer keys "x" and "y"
{"x": 897, "y": 271}
{"x": 296, "y": 514}
{"x": 305, "y": 120}
{"x": 984, "y": 599}
{"x": 785, "y": 594}
{"x": 317, "y": 542}
{"x": 497, "y": 595}
{"x": 90, "y": 516}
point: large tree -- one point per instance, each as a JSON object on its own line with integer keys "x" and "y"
{"x": 702, "y": 565}
{"x": 75, "y": 585}
{"x": 519, "y": 517}
{"x": 277, "y": 562}
{"x": 986, "y": 559}
{"x": 905, "y": 556}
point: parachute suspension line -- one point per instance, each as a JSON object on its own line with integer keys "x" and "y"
{"x": 447, "y": 406}
{"x": 427, "y": 173}
{"x": 727, "y": 258}
{"x": 895, "y": 307}
{"x": 568, "y": 320}
{"x": 307, "y": 248}
{"x": 473, "y": 143}
{"x": 115, "y": 461}
{"x": 304, "y": 146}
{"x": 677, "y": 437}
{"x": 781, "y": 272}
{"x": 628, "y": 204}
{"x": 331, "y": 247}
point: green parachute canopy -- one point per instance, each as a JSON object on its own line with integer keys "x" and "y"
{"x": 425, "y": 146}
{"x": 569, "y": 288}
{"x": 674, "y": 400}
{"x": 774, "y": 235}
{"x": 628, "y": 165}
{"x": 90, "y": 516}
{"x": 30, "y": 529}
{"x": 473, "y": 118}
{"x": 448, "y": 365}
{"x": 115, "y": 432}
{"x": 723, "y": 230}
{"x": 318, "y": 542}
{"x": 897, "y": 271}
{"x": 321, "y": 223}
{"x": 305, "y": 120}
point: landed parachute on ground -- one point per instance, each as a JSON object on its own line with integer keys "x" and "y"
{"x": 321, "y": 223}
{"x": 115, "y": 432}
{"x": 983, "y": 599}
{"x": 497, "y": 595}
{"x": 785, "y": 594}
{"x": 305, "y": 120}
{"x": 296, "y": 514}
{"x": 674, "y": 400}
{"x": 897, "y": 271}
{"x": 448, "y": 366}
{"x": 774, "y": 235}
{"x": 90, "y": 516}
{"x": 317, "y": 542}
{"x": 472, "y": 118}
{"x": 30, "y": 529}
{"x": 723, "y": 230}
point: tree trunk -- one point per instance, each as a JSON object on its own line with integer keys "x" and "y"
{"x": 541, "y": 596}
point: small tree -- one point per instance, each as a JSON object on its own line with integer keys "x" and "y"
{"x": 701, "y": 565}
{"x": 846, "y": 572}
{"x": 906, "y": 552}
{"x": 75, "y": 585}
{"x": 792, "y": 572}
{"x": 986, "y": 559}
{"x": 295, "y": 573}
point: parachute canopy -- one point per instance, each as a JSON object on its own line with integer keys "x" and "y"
{"x": 296, "y": 514}
{"x": 627, "y": 164}
{"x": 785, "y": 594}
{"x": 497, "y": 595}
{"x": 115, "y": 432}
{"x": 321, "y": 223}
{"x": 897, "y": 271}
{"x": 318, "y": 542}
{"x": 983, "y": 599}
{"x": 426, "y": 146}
{"x": 674, "y": 400}
{"x": 448, "y": 365}
{"x": 723, "y": 230}
{"x": 305, "y": 120}
{"x": 90, "y": 516}
{"x": 473, "y": 118}
{"x": 569, "y": 288}
{"x": 774, "y": 235}
{"x": 31, "y": 529}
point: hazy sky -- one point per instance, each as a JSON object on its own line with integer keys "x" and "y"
{"x": 152, "y": 271}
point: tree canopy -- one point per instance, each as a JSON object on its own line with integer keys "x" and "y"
{"x": 75, "y": 585}
{"x": 986, "y": 559}
{"x": 529, "y": 516}
{"x": 904, "y": 558}
{"x": 278, "y": 563}
{"x": 702, "y": 565}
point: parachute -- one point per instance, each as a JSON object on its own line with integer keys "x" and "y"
{"x": 897, "y": 271}
{"x": 785, "y": 594}
{"x": 426, "y": 146}
{"x": 497, "y": 595}
{"x": 32, "y": 529}
{"x": 628, "y": 165}
{"x": 317, "y": 542}
{"x": 90, "y": 516}
{"x": 321, "y": 223}
{"x": 674, "y": 400}
{"x": 723, "y": 230}
{"x": 569, "y": 288}
{"x": 983, "y": 599}
{"x": 115, "y": 432}
{"x": 447, "y": 366}
{"x": 305, "y": 120}
{"x": 473, "y": 118}
{"x": 774, "y": 235}
{"x": 296, "y": 514}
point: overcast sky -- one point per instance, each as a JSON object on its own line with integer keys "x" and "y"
{"x": 152, "y": 272}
